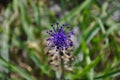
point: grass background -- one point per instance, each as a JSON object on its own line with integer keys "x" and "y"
{"x": 23, "y": 26}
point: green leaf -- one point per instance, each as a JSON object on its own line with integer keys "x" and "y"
{"x": 17, "y": 69}
{"x": 87, "y": 68}
{"x": 76, "y": 10}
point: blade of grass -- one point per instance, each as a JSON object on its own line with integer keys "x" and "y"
{"x": 45, "y": 69}
{"x": 88, "y": 35}
{"x": 87, "y": 68}
{"x": 111, "y": 73}
{"x": 75, "y": 11}
{"x": 5, "y": 37}
{"x": 16, "y": 69}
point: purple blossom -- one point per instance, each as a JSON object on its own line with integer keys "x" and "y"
{"x": 59, "y": 38}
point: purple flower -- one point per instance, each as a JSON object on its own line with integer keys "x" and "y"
{"x": 59, "y": 39}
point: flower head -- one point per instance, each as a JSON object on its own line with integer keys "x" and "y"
{"x": 59, "y": 37}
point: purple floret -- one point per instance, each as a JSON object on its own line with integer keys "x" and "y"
{"x": 59, "y": 38}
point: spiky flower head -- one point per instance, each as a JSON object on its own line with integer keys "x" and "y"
{"x": 59, "y": 38}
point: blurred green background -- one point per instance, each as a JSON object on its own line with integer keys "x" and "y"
{"x": 23, "y": 26}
